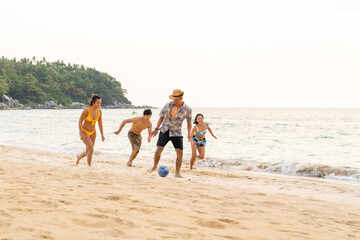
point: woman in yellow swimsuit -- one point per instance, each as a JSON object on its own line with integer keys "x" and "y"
{"x": 87, "y": 127}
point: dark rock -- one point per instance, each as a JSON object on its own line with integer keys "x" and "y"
{"x": 77, "y": 105}
{"x": 3, "y": 106}
{"x": 50, "y": 105}
{"x": 10, "y": 102}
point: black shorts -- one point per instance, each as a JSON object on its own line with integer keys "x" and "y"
{"x": 164, "y": 138}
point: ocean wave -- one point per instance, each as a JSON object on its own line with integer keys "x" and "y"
{"x": 288, "y": 167}
{"x": 324, "y": 137}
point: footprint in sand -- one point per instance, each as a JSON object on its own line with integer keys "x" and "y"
{"x": 229, "y": 237}
{"x": 100, "y": 216}
{"x": 125, "y": 222}
{"x": 85, "y": 222}
{"x": 4, "y": 214}
{"x": 46, "y": 236}
{"x": 270, "y": 204}
{"x": 274, "y": 222}
{"x": 65, "y": 202}
{"x": 200, "y": 212}
{"x": 146, "y": 211}
{"x": 210, "y": 224}
{"x": 24, "y": 229}
{"x": 258, "y": 194}
{"x": 4, "y": 224}
{"x": 114, "y": 232}
{"x": 48, "y": 203}
{"x": 352, "y": 223}
{"x": 227, "y": 220}
{"x": 175, "y": 235}
{"x": 113, "y": 198}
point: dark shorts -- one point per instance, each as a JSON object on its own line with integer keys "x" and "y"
{"x": 135, "y": 140}
{"x": 164, "y": 138}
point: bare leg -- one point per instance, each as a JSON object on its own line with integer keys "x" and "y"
{"x": 179, "y": 156}
{"x": 157, "y": 156}
{"x": 133, "y": 155}
{"x": 91, "y": 150}
{"x": 89, "y": 143}
{"x": 201, "y": 152}
{"x": 193, "y": 155}
{"x": 86, "y": 140}
{"x": 78, "y": 157}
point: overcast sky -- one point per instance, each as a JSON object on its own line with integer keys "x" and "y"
{"x": 258, "y": 53}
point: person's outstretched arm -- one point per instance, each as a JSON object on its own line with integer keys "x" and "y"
{"x": 211, "y": 131}
{"x": 101, "y": 127}
{"x": 153, "y": 133}
{"x": 125, "y": 122}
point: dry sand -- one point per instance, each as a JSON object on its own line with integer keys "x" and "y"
{"x": 43, "y": 196}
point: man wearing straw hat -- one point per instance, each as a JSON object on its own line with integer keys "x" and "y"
{"x": 171, "y": 118}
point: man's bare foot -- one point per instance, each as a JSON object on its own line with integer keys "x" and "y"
{"x": 129, "y": 164}
{"x": 151, "y": 170}
{"x": 77, "y": 160}
{"x": 178, "y": 176}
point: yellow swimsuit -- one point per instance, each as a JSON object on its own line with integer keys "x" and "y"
{"x": 89, "y": 119}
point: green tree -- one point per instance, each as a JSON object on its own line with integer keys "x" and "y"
{"x": 35, "y": 81}
{"x": 4, "y": 87}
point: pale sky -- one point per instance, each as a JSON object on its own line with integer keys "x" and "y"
{"x": 253, "y": 53}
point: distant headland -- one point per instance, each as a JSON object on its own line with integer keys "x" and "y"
{"x": 39, "y": 84}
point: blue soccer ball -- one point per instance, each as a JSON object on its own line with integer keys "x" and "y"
{"x": 163, "y": 171}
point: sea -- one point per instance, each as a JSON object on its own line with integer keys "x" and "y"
{"x": 308, "y": 142}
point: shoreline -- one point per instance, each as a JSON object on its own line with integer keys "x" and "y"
{"x": 44, "y": 196}
{"x": 68, "y": 108}
{"x": 317, "y": 171}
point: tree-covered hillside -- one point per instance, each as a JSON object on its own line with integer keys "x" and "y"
{"x": 33, "y": 81}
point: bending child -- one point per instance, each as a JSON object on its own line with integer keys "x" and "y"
{"x": 198, "y": 141}
{"x": 134, "y": 134}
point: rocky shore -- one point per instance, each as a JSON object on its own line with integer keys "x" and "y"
{"x": 12, "y": 104}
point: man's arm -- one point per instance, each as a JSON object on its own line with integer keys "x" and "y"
{"x": 192, "y": 133}
{"x": 189, "y": 125}
{"x": 153, "y": 134}
{"x": 149, "y": 131}
{"x": 130, "y": 120}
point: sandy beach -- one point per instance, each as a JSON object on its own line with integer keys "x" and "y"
{"x": 44, "y": 196}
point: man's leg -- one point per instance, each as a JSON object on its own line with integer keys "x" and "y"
{"x": 133, "y": 155}
{"x": 135, "y": 141}
{"x": 178, "y": 145}
{"x": 157, "y": 156}
{"x": 179, "y": 157}
{"x": 161, "y": 143}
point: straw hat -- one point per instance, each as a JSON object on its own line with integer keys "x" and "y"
{"x": 176, "y": 94}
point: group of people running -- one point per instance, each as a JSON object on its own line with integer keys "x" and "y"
{"x": 169, "y": 124}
